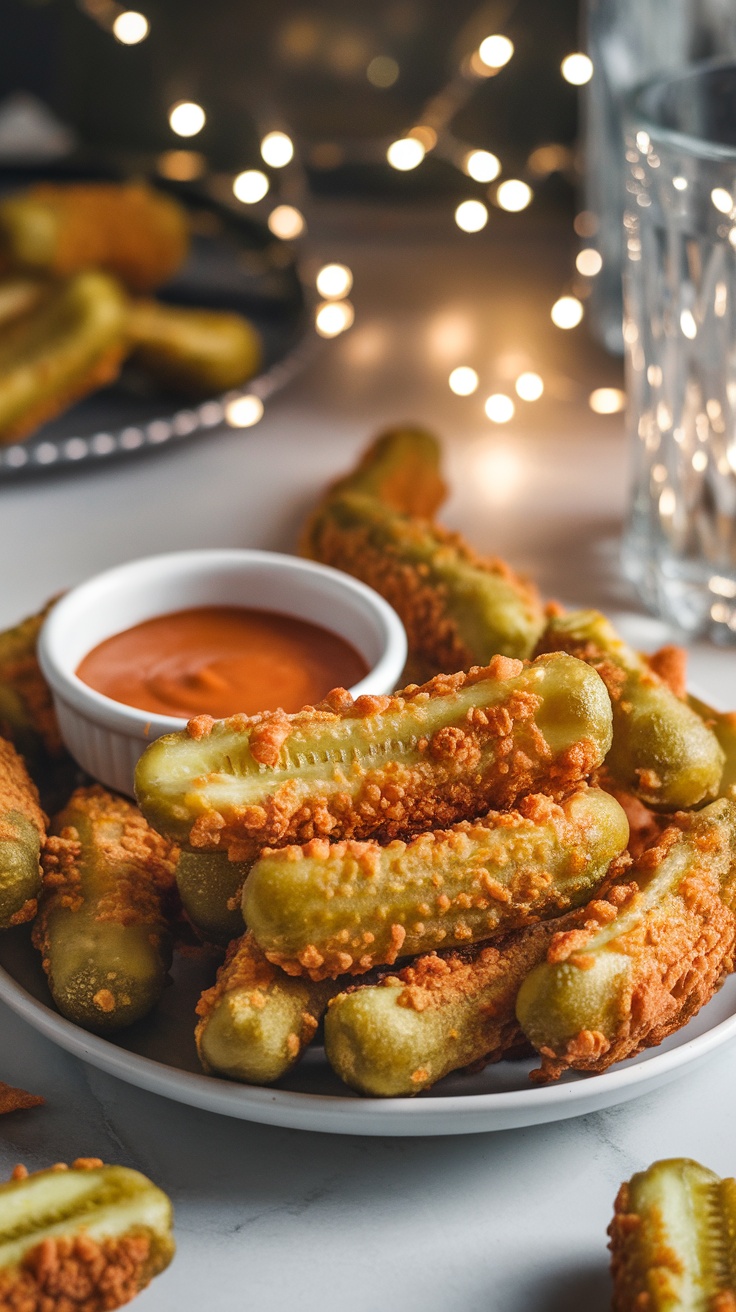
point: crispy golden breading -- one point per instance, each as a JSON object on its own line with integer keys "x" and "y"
{"x": 639, "y": 962}
{"x": 379, "y": 766}
{"x": 17, "y": 1100}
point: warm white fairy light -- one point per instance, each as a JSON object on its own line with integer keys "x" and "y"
{"x": 250, "y": 186}
{"x": 500, "y": 408}
{"x": 567, "y": 312}
{"x": 482, "y": 165}
{"x": 607, "y": 400}
{"x": 529, "y": 386}
{"x": 405, "y": 154}
{"x": 130, "y": 27}
{"x": 495, "y": 51}
{"x": 286, "y": 222}
{"x": 382, "y": 72}
{"x": 688, "y": 325}
{"x": 186, "y": 118}
{"x": 244, "y": 411}
{"x": 577, "y": 69}
{"x": 333, "y": 318}
{"x": 589, "y": 262}
{"x": 679, "y": 183}
{"x": 722, "y": 199}
{"x": 463, "y": 380}
{"x": 277, "y": 149}
{"x": 514, "y": 195}
{"x": 471, "y": 215}
{"x": 334, "y": 281}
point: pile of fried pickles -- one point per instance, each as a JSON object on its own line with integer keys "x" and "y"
{"x": 534, "y": 847}
{"x": 78, "y": 264}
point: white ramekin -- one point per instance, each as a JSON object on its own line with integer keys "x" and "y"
{"x": 107, "y": 737}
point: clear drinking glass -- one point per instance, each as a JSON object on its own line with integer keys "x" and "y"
{"x": 680, "y": 341}
{"x": 631, "y": 42}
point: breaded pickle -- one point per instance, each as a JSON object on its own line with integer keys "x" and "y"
{"x": 193, "y": 351}
{"x": 723, "y": 725}
{"x": 662, "y": 751}
{"x": 437, "y": 1015}
{"x": 102, "y": 927}
{"x": 673, "y": 1240}
{"x": 22, "y": 830}
{"x": 256, "y": 1022}
{"x": 27, "y": 714}
{"x": 70, "y": 345}
{"x": 400, "y": 468}
{"x": 379, "y": 766}
{"x": 129, "y": 230}
{"x": 87, "y": 1236}
{"x": 638, "y": 963}
{"x": 208, "y": 884}
{"x": 459, "y": 609}
{"x": 330, "y": 909}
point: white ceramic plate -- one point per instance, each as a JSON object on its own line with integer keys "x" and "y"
{"x": 158, "y": 1054}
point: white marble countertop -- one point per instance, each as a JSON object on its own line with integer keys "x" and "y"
{"x": 270, "y": 1219}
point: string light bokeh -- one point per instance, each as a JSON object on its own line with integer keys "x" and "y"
{"x": 433, "y": 135}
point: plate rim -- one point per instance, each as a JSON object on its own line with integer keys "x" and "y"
{"x": 338, "y": 1114}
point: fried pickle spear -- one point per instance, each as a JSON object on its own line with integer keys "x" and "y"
{"x": 256, "y": 1022}
{"x": 27, "y": 714}
{"x": 330, "y": 909}
{"x": 401, "y": 469}
{"x": 102, "y": 928}
{"x": 210, "y": 887}
{"x": 662, "y": 751}
{"x": 195, "y": 352}
{"x": 130, "y": 230}
{"x": 673, "y": 1246}
{"x": 87, "y": 1236}
{"x": 439, "y": 1014}
{"x": 379, "y": 766}
{"x": 22, "y": 831}
{"x": 459, "y": 609}
{"x": 723, "y": 725}
{"x": 640, "y": 962}
{"x": 70, "y": 345}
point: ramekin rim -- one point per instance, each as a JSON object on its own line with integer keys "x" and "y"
{"x": 130, "y": 720}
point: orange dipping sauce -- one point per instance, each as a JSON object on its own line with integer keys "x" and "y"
{"x": 219, "y": 661}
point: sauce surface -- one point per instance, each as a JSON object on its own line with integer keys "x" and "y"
{"x": 219, "y": 661}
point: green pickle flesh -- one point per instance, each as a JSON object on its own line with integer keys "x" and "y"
{"x": 107, "y": 953}
{"x": 437, "y": 585}
{"x": 723, "y": 725}
{"x": 327, "y": 763}
{"x": 20, "y": 878}
{"x": 661, "y": 751}
{"x": 679, "y": 1254}
{"x": 259, "y": 1020}
{"x": 592, "y": 994}
{"x": 344, "y": 908}
{"x": 103, "y": 1203}
{"x": 208, "y": 883}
